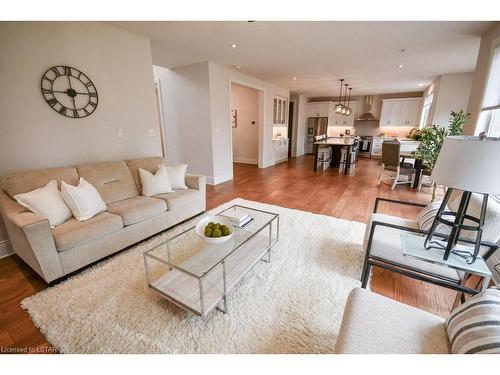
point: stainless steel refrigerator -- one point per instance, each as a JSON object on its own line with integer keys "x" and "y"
{"x": 315, "y": 126}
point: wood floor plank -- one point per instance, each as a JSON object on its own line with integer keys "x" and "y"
{"x": 291, "y": 184}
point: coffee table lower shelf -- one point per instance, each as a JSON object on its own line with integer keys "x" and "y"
{"x": 202, "y": 295}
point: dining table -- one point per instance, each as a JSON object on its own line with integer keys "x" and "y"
{"x": 418, "y": 165}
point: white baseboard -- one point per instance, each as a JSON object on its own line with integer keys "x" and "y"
{"x": 5, "y": 249}
{"x": 246, "y": 160}
{"x": 215, "y": 180}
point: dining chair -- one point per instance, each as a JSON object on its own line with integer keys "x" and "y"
{"x": 391, "y": 161}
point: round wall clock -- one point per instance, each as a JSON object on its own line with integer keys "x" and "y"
{"x": 69, "y": 91}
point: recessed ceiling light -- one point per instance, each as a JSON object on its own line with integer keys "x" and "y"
{"x": 403, "y": 50}
{"x": 237, "y": 67}
{"x": 294, "y": 78}
{"x": 421, "y": 84}
{"x": 234, "y": 45}
{"x": 400, "y": 66}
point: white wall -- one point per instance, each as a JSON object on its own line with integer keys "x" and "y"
{"x": 452, "y": 95}
{"x": 119, "y": 63}
{"x": 489, "y": 41}
{"x": 245, "y": 101}
{"x": 299, "y": 126}
{"x": 186, "y": 109}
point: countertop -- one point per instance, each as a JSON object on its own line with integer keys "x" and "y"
{"x": 348, "y": 141}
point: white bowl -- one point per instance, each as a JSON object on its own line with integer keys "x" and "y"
{"x": 200, "y": 229}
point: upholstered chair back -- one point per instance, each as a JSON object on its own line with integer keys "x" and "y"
{"x": 390, "y": 153}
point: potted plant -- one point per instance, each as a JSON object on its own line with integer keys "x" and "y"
{"x": 432, "y": 137}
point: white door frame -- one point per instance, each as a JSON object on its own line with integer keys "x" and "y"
{"x": 260, "y": 125}
{"x": 159, "y": 102}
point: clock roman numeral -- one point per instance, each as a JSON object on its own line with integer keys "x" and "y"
{"x": 86, "y": 112}
{"x": 67, "y": 71}
{"x": 52, "y": 101}
{"x": 56, "y": 71}
{"x": 47, "y": 91}
{"x": 93, "y": 94}
{"x": 89, "y": 83}
{"x": 93, "y": 104}
{"x": 75, "y": 113}
{"x": 48, "y": 79}
{"x": 62, "y": 111}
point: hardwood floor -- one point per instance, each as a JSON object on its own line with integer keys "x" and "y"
{"x": 292, "y": 184}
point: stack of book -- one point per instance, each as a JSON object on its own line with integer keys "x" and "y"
{"x": 239, "y": 220}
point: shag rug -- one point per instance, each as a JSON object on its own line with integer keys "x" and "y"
{"x": 292, "y": 305}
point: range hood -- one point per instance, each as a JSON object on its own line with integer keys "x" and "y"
{"x": 368, "y": 116}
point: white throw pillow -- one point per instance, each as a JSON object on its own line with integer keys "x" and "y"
{"x": 46, "y": 202}
{"x": 177, "y": 176}
{"x": 157, "y": 183}
{"x": 84, "y": 200}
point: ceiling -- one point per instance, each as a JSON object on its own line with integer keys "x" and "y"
{"x": 366, "y": 54}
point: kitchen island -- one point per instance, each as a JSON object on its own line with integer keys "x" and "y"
{"x": 337, "y": 142}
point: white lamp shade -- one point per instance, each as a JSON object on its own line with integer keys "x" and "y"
{"x": 469, "y": 164}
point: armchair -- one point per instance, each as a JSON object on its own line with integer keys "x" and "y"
{"x": 383, "y": 249}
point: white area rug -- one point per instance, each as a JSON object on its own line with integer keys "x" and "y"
{"x": 292, "y": 305}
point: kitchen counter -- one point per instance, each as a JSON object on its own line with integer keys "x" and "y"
{"x": 347, "y": 141}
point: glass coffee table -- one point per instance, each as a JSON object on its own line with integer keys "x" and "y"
{"x": 197, "y": 276}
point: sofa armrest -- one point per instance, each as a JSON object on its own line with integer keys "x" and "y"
{"x": 31, "y": 238}
{"x": 197, "y": 182}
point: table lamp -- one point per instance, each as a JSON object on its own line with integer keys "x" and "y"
{"x": 472, "y": 165}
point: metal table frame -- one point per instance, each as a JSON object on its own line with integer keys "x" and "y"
{"x": 203, "y": 313}
{"x": 408, "y": 271}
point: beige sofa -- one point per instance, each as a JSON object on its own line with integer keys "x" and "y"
{"x": 130, "y": 217}
{"x": 373, "y": 324}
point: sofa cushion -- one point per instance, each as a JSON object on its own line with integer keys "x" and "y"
{"x": 387, "y": 245}
{"x": 113, "y": 180}
{"x": 135, "y": 209}
{"x": 376, "y": 324}
{"x": 23, "y": 182}
{"x": 148, "y": 164}
{"x": 73, "y": 232}
{"x": 180, "y": 198}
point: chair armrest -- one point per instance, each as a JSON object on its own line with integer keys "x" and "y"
{"x": 31, "y": 239}
{"x": 378, "y": 199}
{"x": 492, "y": 246}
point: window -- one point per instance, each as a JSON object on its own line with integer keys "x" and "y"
{"x": 489, "y": 117}
{"x": 426, "y": 110}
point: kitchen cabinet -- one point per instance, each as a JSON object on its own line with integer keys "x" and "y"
{"x": 280, "y": 150}
{"x": 319, "y": 109}
{"x": 279, "y": 111}
{"x": 401, "y": 112}
{"x": 336, "y": 119}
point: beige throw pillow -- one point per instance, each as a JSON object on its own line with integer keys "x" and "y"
{"x": 46, "y": 202}
{"x": 177, "y": 176}
{"x": 84, "y": 200}
{"x": 153, "y": 184}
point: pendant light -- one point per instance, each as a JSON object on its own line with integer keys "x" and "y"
{"x": 338, "y": 107}
{"x": 349, "y": 110}
{"x": 344, "y": 108}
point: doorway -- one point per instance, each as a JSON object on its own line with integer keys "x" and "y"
{"x": 245, "y": 119}
{"x": 290, "y": 129}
